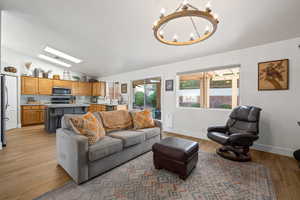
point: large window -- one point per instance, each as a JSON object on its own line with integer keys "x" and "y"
{"x": 209, "y": 89}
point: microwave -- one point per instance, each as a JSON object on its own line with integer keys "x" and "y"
{"x": 57, "y": 91}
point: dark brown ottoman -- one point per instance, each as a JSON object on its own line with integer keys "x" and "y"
{"x": 176, "y": 155}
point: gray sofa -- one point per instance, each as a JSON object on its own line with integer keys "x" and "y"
{"x": 83, "y": 162}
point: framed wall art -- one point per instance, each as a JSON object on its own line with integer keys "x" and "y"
{"x": 124, "y": 88}
{"x": 169, "y": 85}
{"x": 273, "y": 75}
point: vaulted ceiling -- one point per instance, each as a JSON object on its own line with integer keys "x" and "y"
{"x": 116, "y": 36}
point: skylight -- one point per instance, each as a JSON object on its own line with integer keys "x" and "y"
{"x": 53, "y": 60}
{"x": 62, "y": 55}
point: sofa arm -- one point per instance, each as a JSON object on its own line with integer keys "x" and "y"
{"x": 158, "y": 124}
{"x": 72, "y": 152}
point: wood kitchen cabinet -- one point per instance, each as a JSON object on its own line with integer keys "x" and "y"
{"x": 97, "y": 108}
{"x": 62, "y": 84}
{"x": 84, "y": 89}
{"x": 75, "y": 88}
{"x": 98, "y": 89}
{"x": 103, "y": 107}
{"x": 29, "y": 85}
{"x": 102, "y": 89}
{"x": 32, "y": 115}
{"x": 45, "y": 86}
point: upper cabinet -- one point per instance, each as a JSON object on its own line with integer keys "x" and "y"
{"x": 75, "y": 88}
{"x": 45, "y": 86}
{"x": 103, "y": 89}
{"x": 29, "y": 85}
{"x": 98, "y": 89}
{"x": 62, "y": 83}
{"x": 85, "y": 89}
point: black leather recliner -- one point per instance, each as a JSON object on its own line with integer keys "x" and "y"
{"x": 238, "y": 135}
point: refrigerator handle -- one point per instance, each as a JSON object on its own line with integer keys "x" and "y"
{"x": 6, "y": 95}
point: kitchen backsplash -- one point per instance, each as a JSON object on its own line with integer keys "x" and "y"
{"x": 47, "y": 99}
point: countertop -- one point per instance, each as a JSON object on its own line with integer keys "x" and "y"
{"x": 66, "y": 105}
{"x": 73, "y": 105}
{"x": 107, "y": 104}
{"x": 58, "y": 105}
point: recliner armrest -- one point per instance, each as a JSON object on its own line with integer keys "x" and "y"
{"x": 221, "y": 129}
{"x": 242, "y": 139}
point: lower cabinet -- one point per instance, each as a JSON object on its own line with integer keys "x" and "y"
{"x": 97, "y": 108}
{"x": 101, "y": 107}
{"x": 32, "y": 115}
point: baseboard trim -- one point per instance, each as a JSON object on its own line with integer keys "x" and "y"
{"x": 274, "y": 149}
{"x": 261, "y": 147}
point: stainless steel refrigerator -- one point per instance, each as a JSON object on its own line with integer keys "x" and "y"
{"x": 3, "y": 105}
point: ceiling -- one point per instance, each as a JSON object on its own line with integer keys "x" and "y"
{"x": 116, "y": 36}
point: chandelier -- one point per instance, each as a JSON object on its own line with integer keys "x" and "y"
{"x": 185, "y": 9}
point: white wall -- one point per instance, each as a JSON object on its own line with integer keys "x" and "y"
{"x": 279, "y": 130}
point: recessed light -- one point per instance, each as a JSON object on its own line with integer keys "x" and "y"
{"x": 62, "y": 55}
{"x": 53, "y": 60}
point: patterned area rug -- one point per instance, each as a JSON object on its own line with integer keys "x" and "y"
{"x": 213, "y": 178}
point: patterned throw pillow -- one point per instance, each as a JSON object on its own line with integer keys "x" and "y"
{"x": 89, "y": 126}
{"x": 142, "y": 119}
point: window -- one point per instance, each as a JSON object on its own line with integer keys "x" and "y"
{"x": 113, "y": 90}
{"x": 209, "y": 89}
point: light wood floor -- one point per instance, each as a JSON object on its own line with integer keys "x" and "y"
{"x": 28, "y": 166}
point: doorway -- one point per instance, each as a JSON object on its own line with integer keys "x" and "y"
{"x": 147, "y": 95}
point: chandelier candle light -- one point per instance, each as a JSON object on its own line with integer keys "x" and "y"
{"x": 185, "y": 9}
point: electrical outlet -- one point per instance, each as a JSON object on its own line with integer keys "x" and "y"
{"x": 298, "y": 123}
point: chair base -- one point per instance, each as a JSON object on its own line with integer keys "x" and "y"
{"x": 234, "y": 154}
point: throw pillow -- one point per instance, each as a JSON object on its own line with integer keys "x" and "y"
{"x": 142, "y": 119}
{"x": 89, "y": 126}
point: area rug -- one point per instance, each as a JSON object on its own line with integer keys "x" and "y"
{"x": 213, "y": 178}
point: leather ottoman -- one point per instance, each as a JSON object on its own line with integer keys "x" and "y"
{"x": 176, "y": 155}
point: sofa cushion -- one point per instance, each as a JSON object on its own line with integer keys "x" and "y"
{"x": 104, "y": 147}
{"x": 116, "y": 120}
{"x": 150, "y": 132}
{"x": 89, "y": 126}
{"x": 129, "y": 137}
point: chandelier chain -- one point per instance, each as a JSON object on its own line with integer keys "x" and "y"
{"x": 195, "y": 27}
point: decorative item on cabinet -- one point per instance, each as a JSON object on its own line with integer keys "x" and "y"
{"x": 76, "y": 78}
{"x": 67, "y": 75}
{"x": 45, "y": 74}
{"x": 10, "y": 69}
{"x": 56, "y": 77}
{"x": 36, "y": 72}
{"x": 27, "y": 71}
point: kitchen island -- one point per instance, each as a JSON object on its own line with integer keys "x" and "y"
{"x": 55, "y": 112}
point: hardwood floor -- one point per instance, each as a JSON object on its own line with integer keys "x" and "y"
{"x": 28, "y": 167}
